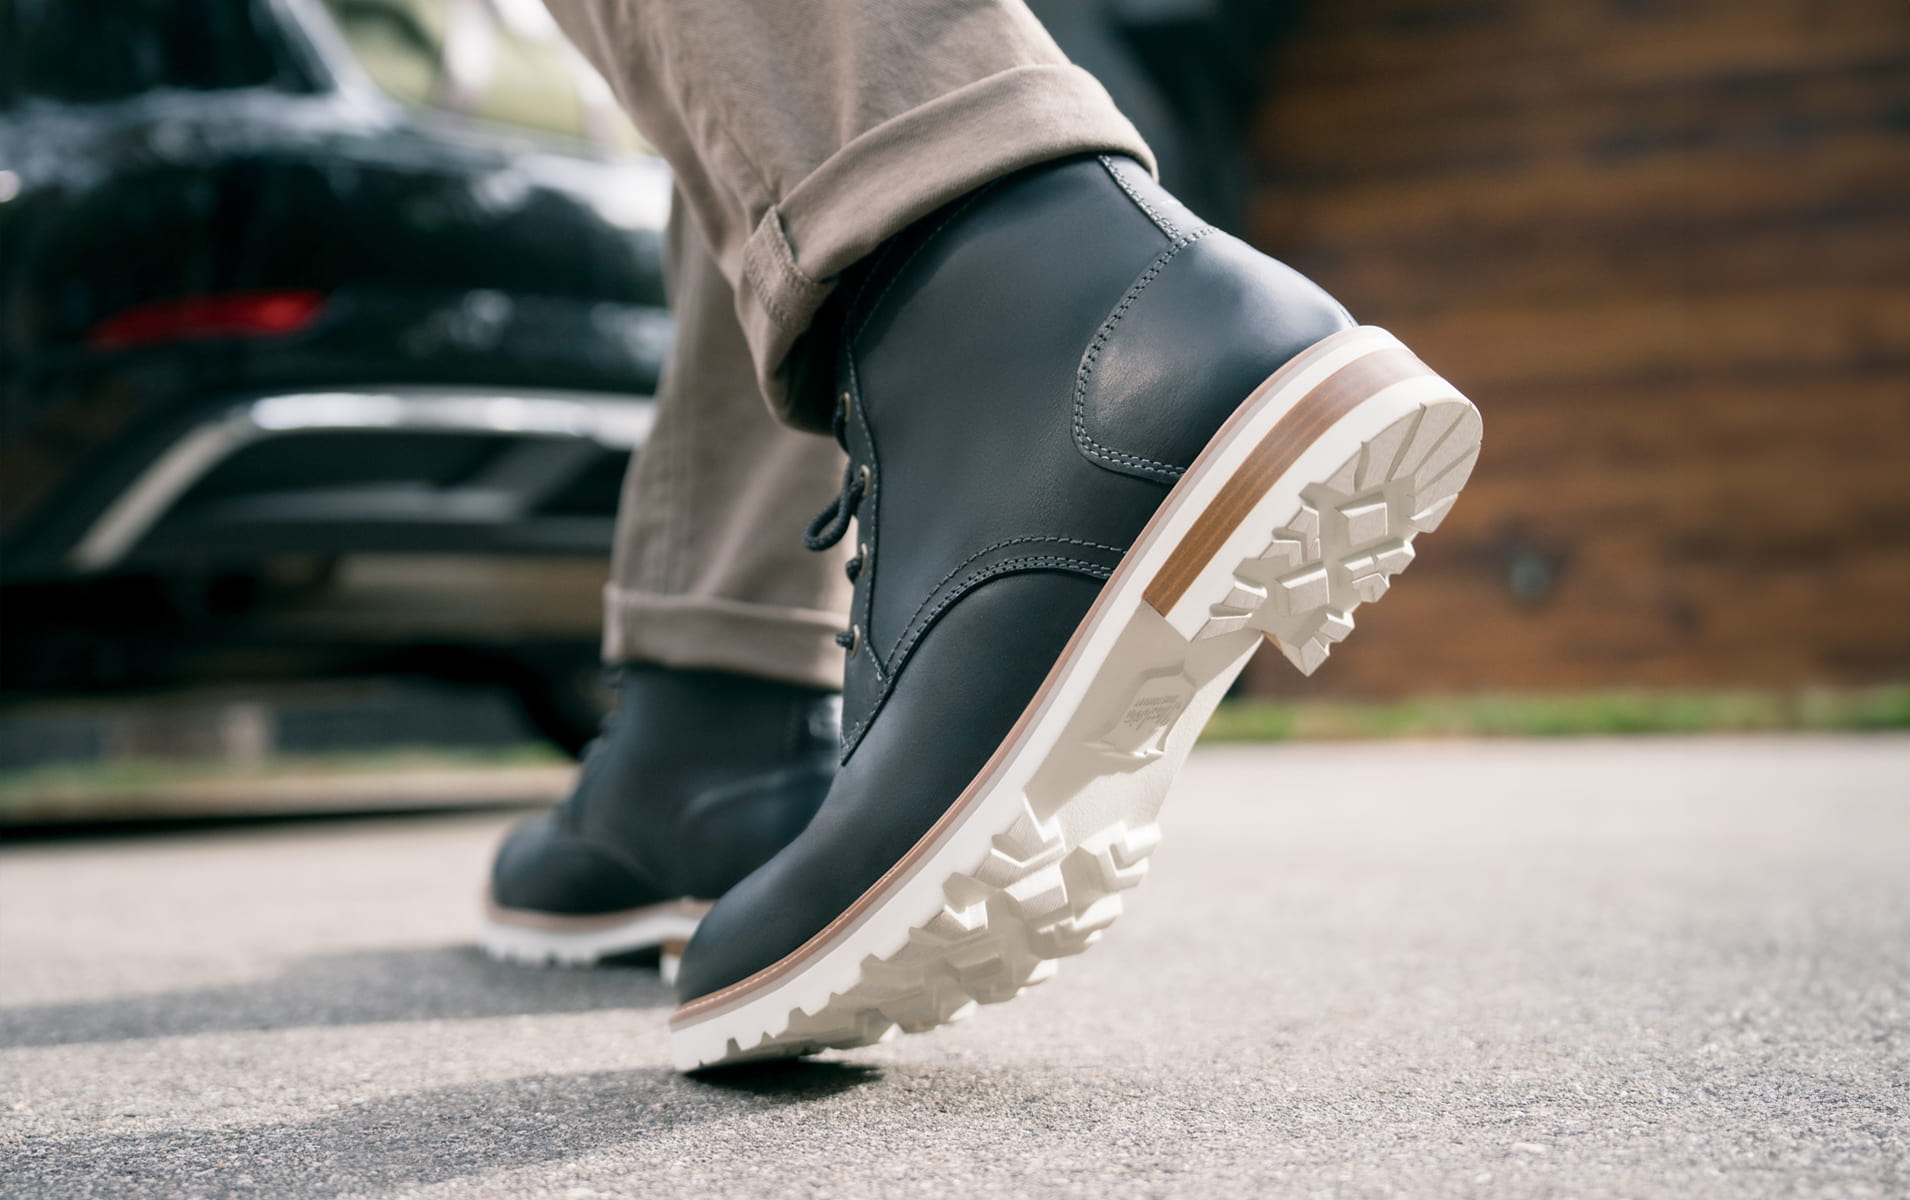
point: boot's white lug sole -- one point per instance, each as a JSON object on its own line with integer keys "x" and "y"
{"x": 1302, "y": 507}
{"x": 552, "y": 939}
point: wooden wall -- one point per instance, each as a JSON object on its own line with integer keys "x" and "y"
{"x": 1665, "y": 246}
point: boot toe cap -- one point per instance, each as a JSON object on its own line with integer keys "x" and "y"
{"x": 541, "y": 868}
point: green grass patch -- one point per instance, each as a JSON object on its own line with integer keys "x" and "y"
{"x": 136, "y": 777}
{"x": 1585, "y": 714}
{"x": 128, "y": 786}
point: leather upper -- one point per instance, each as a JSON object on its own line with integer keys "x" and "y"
{"x": 1026, "y": 373}
{"x": 698, "y": 779}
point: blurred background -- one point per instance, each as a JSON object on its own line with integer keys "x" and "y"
{"x": 327, "y": 329}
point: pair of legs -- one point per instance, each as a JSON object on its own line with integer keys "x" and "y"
{"x": 802, "y": 137}
{"x": 1098, "y": 453}
{"x": 709, "y": 570}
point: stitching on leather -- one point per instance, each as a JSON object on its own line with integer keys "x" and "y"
{"x": 1094, "y": 570}
{"x": 911, "y": 635}
{"x": 1082, "y": 438}
{"x": 861, "y": 408}
{"x": 983, "y": 552}
{"x": 1161, "y": 223}
{"x": 861, "y": 412}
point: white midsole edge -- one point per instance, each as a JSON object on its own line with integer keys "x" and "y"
{"x": 520, "y": 941}
{"x": 919, "y": 895}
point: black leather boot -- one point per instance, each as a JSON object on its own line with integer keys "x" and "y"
{"x": 697, "y": 779}
{"x": 1100, "y": 453}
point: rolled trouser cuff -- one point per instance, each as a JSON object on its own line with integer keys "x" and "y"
{"x": 893, "y": 175}
{"x": 708, "y": 633}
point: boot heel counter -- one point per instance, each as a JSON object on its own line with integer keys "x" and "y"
{"x": 1152, "y": 389}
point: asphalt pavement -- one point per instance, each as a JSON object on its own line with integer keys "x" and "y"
{"x": 1592, "y": 969}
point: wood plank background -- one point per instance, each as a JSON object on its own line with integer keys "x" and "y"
{"x": 1665, "y": 247}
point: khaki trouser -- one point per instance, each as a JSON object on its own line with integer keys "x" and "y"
{"x": 802, "y": 136}
{"x": 709, "y": 568}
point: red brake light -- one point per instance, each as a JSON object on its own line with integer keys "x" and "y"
{"x": 233, "y": 314}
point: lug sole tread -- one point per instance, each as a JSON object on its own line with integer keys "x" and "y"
{"x": 1051, "y": 882}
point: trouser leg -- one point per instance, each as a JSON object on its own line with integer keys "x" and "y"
{"x": 803, "y": 135}
{"x": 709, "y": 569}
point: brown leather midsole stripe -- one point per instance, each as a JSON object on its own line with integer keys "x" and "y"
{"x": 1337, "y": 395}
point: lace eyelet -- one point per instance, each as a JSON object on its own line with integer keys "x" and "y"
{"x": 855, "y": 639}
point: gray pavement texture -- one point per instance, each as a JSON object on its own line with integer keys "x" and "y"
{"x": 1651, "y": 968}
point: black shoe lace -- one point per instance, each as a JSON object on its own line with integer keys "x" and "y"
{"x": 830, "y": 525}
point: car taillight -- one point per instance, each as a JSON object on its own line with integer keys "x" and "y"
{"x": 231, "y": 314}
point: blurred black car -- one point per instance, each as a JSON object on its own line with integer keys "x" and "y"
{"x": 327, "y": 327}
{"x": 289, "y": 283}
